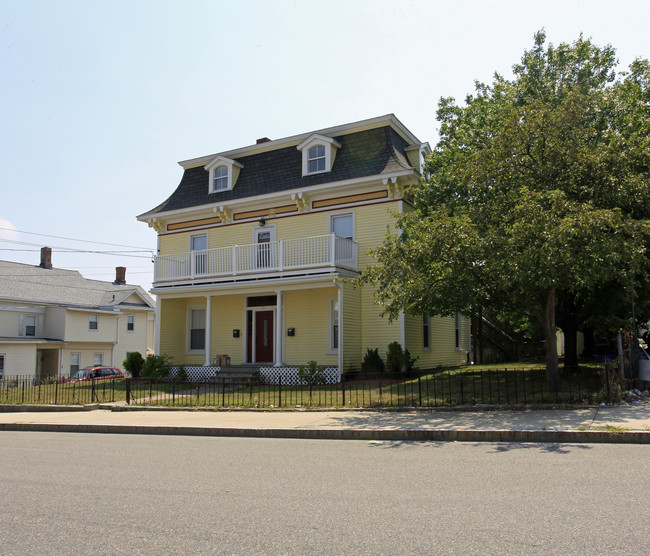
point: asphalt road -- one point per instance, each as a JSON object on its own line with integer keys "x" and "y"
{"x": 64, "y": 493}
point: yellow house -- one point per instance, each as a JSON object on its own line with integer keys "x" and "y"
{"x": 54, "y": 321}
{"x": 255, "y": 244}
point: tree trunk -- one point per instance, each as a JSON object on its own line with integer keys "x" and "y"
{"x": 547, "y": 320}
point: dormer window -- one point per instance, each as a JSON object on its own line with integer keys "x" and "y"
{"x": 220, "y": 178}
{"x": 223, "y": 173}
{"x": 316, "y": 159}
{"x": 318, "y": 154}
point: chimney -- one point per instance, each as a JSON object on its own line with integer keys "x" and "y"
{"x": 262, "y": 140}
{"x": 46, "y": 258}
{"x": 120, "y": 276}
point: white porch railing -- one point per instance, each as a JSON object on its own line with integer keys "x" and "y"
{"x": 289, "y": 254}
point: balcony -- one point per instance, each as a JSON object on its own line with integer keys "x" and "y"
{"x": 249, "y": 261}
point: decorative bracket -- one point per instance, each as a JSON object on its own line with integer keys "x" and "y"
{"x": 225, "y": 214}
{"x": 395, "y": 190}
{"x": 158, "y": 226}
{"x": 301, "y": 200}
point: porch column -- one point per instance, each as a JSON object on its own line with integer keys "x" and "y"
{"x": 208, "y": 329}
{"x": 279, "y": 331}
{"x": 340, "y": 331}
{"x": 156, "y": 328}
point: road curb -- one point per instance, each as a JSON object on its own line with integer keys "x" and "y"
{"x": 553, "y": 436}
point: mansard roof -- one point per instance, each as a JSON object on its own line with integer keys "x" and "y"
{"x": 380, "y": 150}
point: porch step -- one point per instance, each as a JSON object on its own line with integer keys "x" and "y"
{"x": 242, "y": 372}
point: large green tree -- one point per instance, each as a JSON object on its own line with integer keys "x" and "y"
{"x": 538, "y": 188}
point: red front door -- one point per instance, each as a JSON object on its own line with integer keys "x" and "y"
{"x": 263, "y": 336}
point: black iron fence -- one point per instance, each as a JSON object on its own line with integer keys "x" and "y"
{"x": 427, "y": 389}
{"x": 436, "y": 388}
{"x": 58, "y": 391}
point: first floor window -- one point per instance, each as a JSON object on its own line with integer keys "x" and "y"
{"x": 75, "y": 359}
{"x": 2, "y": 366}
{"x": 98, "y": 359}
{"x": 334, "y": 324}
{"x": 197, "y": 329}
{"x": 459, "y": 335}
{"x": 426, "y": 332}
{"x": 92, "y": 322}
{"x": 130, "y": 323}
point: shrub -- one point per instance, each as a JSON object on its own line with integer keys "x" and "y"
{"x": 181, "y": 375}
{"x": 398, "y": 360}
{"x": 312, "y": 374}
{"x": 372, "y": 362}
{"x": 156, "y": 366}
{"x": 133, "y": 363}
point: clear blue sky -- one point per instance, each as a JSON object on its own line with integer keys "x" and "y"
{"x": 99, "y": 100}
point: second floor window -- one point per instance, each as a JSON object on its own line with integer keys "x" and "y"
{"x": 30, "y": 325}
{"x": 130, "y": 323}
{"x": 92, "y": 322}
{"x": 220, "y": 180}
{"x": 316, "y": 159}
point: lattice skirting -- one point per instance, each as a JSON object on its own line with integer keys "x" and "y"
{"x": 196, "y": 373}
{"x": 290, "y": 376}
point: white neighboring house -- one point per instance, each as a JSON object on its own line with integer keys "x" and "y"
{"x": 54, "y": 322}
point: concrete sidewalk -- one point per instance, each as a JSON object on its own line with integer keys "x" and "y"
{"x": 621, "y": 424}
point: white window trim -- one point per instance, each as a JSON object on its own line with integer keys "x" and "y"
{"x": 313, "y": 141}
{"x": 23, "y": 325}
{"x": 132, "y": 320}
{"x": 232, "y": 166}
{"x": 96, "y": 322}
{"x": 330, "y": 320}
{"x": 96, "y": 357}
{"x": 3, "y": 358}
{"x": 344, "y": 213}
{"x": 198, "y": 234}
{"x": 458, "y": 331}
{"x": 188, "y": 343}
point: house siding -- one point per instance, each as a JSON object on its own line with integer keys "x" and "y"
{"x": 311, "y": 341}
{"x": 228, "y": 314}
{"x": 352, "y": 327}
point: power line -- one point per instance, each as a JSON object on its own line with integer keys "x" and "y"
{"x": 71, "y": 239}
{"x": 71, "y": 250}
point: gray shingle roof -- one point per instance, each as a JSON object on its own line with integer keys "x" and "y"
{"x": 365, "y": 153}
{"x": 23, "y": 282}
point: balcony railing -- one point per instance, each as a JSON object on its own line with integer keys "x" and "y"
{"x": 276, "y": 256}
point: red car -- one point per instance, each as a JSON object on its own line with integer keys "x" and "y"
{"x": 97, "y": 373}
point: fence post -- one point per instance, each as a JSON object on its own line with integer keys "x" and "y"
{"x": 128, "y": 391}
{"x": 56, "y": 393}
{"x": 420, "y": 389}
{"x": 223, "y": 391}
{"x": 343, "y": 388}
{"x": 93, "y": 395}
{"x": 280, "y": 391}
